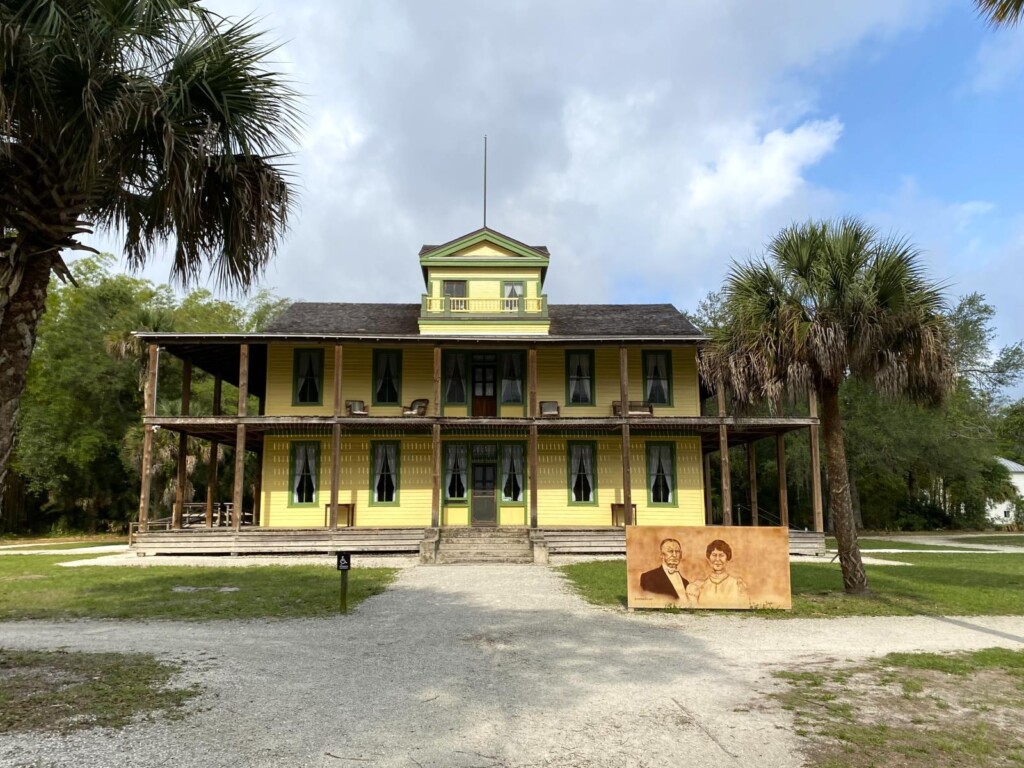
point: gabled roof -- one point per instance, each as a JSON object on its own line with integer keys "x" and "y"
{"x": 654, "y": 322}
{"x": 476, "y": 236}
{"x": 531, "y": 255}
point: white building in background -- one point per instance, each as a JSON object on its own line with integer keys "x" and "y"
{"x": 1002, "y": 513}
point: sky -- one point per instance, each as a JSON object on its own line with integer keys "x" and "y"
{"x": 649, "y": 145}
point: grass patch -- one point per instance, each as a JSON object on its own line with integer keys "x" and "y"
{"x": 35, "y": 587}
{"x": 911, "y": 710}
{"x": 57, "y": 544}
{"x": 951, "y": 585}
{"x": 62, "y": 692}
{"x": 63, "y": 540}
{"x": 1005, "y": 539}
{"x": 868, "y": 544}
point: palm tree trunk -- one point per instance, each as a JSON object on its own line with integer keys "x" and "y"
{"x": 18, "y": 322}
{"x": 855, "y": 580}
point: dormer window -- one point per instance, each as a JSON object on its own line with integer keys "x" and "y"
{"x": 512, "y": 295}
{"x": 455, "y": 293}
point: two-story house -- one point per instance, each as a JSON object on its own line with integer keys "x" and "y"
{"x": 481, "y": 405}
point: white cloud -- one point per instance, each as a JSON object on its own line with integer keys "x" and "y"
{"x": 999, "y": 62}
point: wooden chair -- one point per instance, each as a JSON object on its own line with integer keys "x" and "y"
{"x": 417, "y": 407}
{"x": 346, "y": 515}
{"x": 619, "y": 514}
{"x": 633, "y": 408}
{"x": 549, "y": 409}
{"x": 356, "y": 408}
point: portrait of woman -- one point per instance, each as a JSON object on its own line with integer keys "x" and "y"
{"x": 719, "y": 589}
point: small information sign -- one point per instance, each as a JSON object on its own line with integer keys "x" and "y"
{"x": 344, "y": 561}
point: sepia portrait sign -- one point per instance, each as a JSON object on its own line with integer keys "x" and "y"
{"x": 707, "y": 567}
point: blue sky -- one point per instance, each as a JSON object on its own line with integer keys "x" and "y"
{"x": 647, "y": 144}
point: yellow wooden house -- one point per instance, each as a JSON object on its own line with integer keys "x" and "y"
{"x": 482, "y": 405}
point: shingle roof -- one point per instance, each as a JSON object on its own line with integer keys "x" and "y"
{"x": 1011, "y": 466}
{"x": 567, "y": 320}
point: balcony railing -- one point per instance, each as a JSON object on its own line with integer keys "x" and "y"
{"x": 459, "y": 305}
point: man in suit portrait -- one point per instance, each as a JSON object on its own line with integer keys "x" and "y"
{"x": 666, "y": 578}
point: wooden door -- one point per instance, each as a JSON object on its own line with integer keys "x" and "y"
{"x": 485, "y": 390}
{"x": 484, "y": 506}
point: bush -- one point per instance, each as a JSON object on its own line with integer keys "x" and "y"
{"x": 921, "y": 515}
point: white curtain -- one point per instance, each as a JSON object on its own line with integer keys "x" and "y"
{"x": 581, "y": 459}
{"x": 304, "y": 474}
{"x": 579, "y": 378}
{"x": 384, "y": 453}
{"x": 455, "y": 472}
{"x": 512, "y": 467}
{"x": 455, "y": 390}
{"x": 512, "y": 380}
{"x": 657, "y": 374}
{"x": 661, "y": 474}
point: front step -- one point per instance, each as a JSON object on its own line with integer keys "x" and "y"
{"x": 478, "y": 545}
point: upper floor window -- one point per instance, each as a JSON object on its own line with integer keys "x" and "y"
{"x": 512, "y": 378}
{"x": 385, "y": 473}
{"x": 582, "y": 479}
{"x": 305, "y": 473}
{"x": 387, "y": 377}
{"x": 307, "y": 377}
{"x": 455, "y": 288}
{"x": 512, "y": 294}
{"x": 658, "y": 377}
{"x": 661, "y": 473}
{"x": 455, "y": 379}
{"x": 579, "y": 376}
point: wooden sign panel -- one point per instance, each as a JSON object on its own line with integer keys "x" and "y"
{"x": 708, "y": 567}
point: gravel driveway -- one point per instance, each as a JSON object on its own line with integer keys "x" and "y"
{"x": 460, "y": 666}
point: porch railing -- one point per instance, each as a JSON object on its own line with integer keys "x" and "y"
{"x": 459, "y": 305}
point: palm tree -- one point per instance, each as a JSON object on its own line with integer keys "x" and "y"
{"x": 832, "y": 300}
{"x": 1001, "y": 12}
{"x": 153, "y": 118}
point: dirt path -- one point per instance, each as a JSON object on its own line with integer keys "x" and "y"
{"x": 461, "y": 666}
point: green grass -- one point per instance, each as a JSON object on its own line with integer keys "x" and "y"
{"x": 61, "y": 691}
{"x": 62, "y": 539}
{"x": 869, "y": 543}
{"x": 911, "y": 710}
{"x": 1005, "y": 539}
{"x": 62, "y": 545}
{"x": 35, "y": 587}
{"x": 954, "y": 585}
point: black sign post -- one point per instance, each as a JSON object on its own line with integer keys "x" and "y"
{"x": 344, "y": 563}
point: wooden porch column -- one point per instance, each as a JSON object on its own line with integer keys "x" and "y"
{"x": 531, "y": 377}
{"x": 147, "y": 437}
{"x": 336, "y": 437}
{"x": 533, "y": 475}
{"x": 723, "y": 448}
{"x": 624, "y": 398}
{"x": 186, "y": 404}
{"x": 752, "y": 472}
{"x": 435, "y": 488}
{"x": 243, "y": 400}
{"x": 819, "y": 517}
{"x": 780, "y": 459}
{"x": 707, "y": 485}
{"x": 211, "y": 470}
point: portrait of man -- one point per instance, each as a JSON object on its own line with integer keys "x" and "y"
{"x": 720, "y": 589}
{"x": 666, "y": 578}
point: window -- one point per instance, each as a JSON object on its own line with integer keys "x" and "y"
{"x": 512, "y": 378}
{"x": 455, "y": 379}
{"x": 512, "y": 473}
{"x": 582, "y": 480}
{"x": 661, "y": 473}
{"x": 387, "y": 377}
{"x": 579, "y": 376}
{"x": 385, "y": 473}
{"x": 455, "y": 472}
{"x": 454, "y": 288}
{"x": 305, "y": 474}
{"x": 658, "y": 377}
{"x": 307, "y": 377}
{"x": 512, "y": 294}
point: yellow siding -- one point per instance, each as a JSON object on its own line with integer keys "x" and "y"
{"x": 685, "y": 391}
{"x": 356, "y": 380}
{"x": 477, "y": 276}
{"x": 414, "y": 491}
{"x": 554, "y": 507}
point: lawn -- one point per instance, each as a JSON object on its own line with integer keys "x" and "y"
{"x": 934, "y": 584}
{"x": 35, "y": 587}
{"x": 62, "y": 542}
{"x": 59, "y": 544}
{"x": 867, "y": 544}
{"x": 62, "y": 691}
{"x": 913, "y": 710}
{"x": 1003, "y": 539}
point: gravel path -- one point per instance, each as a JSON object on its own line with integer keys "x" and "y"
{"x": 491, "y": 666}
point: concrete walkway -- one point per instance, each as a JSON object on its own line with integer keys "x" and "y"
{"x": 460, "y": 666}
